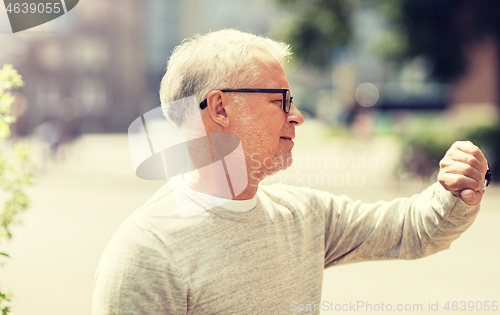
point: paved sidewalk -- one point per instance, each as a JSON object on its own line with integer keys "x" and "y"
{"x": 78, "y": 204}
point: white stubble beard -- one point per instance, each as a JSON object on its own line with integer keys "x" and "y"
{"x": 269, "y": 163}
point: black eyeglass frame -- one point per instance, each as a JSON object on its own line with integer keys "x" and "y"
{"x": 285, "y": 103}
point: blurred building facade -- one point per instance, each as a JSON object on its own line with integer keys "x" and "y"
{"x": 84, "y": 72}
{"x": 481, "y": 83}
{"x": 99, "y": 67}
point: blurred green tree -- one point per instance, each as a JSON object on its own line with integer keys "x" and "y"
{"x": 439, "y": 30}
{"x": 316, "y": 27}
{"x": 16, "y": 168}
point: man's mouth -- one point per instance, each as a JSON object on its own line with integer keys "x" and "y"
{"x": 286, "y": 138}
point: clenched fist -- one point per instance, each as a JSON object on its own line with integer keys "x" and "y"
{"x": 462, "y": 172}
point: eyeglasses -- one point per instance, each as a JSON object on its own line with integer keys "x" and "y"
{"x": 286, "y": 102}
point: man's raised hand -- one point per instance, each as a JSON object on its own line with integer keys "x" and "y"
{"x": 462, "y": 171}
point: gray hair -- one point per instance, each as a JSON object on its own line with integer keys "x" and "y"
{"x": 217, "y": 60}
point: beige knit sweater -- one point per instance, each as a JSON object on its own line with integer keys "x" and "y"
{"x": 264, "y": 260}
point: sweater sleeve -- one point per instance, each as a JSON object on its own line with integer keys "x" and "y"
{"x": 405, "y": 228}
{"x": 136, "y": 276}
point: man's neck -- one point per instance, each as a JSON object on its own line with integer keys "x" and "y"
{"x": 218, "y": 184}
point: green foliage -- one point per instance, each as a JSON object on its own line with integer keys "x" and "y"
{"x": 16, "y": 167}
{"x": 5, "y": 297}
{"x": 9, "y": 79}
{"x": 316, "y": 26}
{"x": 426, "y": 138}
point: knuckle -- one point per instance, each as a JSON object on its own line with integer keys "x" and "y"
{"x": 442, "y": 163}
{"x": 445, "y": 161}
{"x": 469, "y": 170}
{"x": 478, "y": 186}
{"x": 469, "y": 160}
{"x": 460, "y": 180}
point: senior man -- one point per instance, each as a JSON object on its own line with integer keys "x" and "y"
{"x": 263, "y": 249}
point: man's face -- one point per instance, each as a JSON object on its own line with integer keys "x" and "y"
{"x": 265, "y": 130}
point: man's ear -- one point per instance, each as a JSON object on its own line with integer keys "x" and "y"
{"x": 217, "y": 106}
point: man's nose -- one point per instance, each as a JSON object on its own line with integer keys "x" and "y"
{"x": 295, "y": 116}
